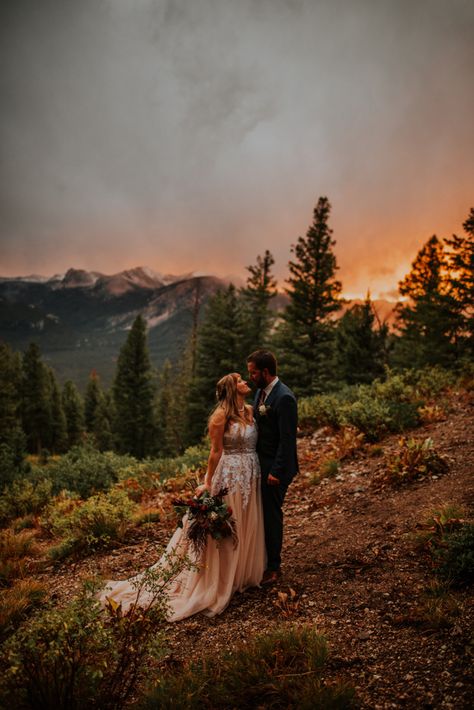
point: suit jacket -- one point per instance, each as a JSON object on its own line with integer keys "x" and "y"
{"x": 276, "y": 445}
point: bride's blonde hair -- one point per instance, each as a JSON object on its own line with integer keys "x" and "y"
{"x": 227, "y": 402}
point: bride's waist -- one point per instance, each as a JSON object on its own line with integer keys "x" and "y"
{"x": 239, "y": 452}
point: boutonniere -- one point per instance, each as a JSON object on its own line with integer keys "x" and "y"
{"x": 263, "y": 410}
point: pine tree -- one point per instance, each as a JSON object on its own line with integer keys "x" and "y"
{"x": 429, "y": 320}
{"x": 102, "y": 430}
{"x": 92, "y": 400}
{"x": 133, "y": 392}
{"x": 169, "y": 438}
{"x": 220, "y": 350}
{"x": 58, "y": 431}
{"x": 12, "y": 438}
{"x": 461, "y": 263}
{"x": 305, "y": 338}
{"x": 257, "y": 318}
{"x": 361, "y": 346}
{"x": 35, "y": 406}
{"x": 74, "y": 412}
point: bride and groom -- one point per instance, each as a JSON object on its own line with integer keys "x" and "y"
{"x": 253, "y": 456}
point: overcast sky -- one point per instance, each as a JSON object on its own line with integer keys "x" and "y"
{"x": 194, "y": 134}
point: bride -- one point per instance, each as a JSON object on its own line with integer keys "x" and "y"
{"x": 225, "y": 567}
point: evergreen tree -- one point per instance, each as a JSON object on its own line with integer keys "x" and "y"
{"x": 169, "y": 432}
{"x": 133, "y": 393}
{"x": 305, "y": 338}
{"x": 429, "y": 320}
{"x": 73, "y": 408}
{"x": 220, "y": 350}
{"x": 36, "y": 405}
{"x": 361, "y": 346}
{"x": 102, "y": 430}
{"x": 58, "y": 432}
{"x": 257, "y": 318}
{"x": 461, "y": 262}
{"x": 92, "y": 400}
{"x": 12, "y": 438}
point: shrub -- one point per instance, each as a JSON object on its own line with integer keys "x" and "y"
{"x": 370, "y": 416}
{"x": 282, "y": 669}
{"x": 17, "y": 601}
{"x": 328, "y": 469}
{"x": 415, "y": 460}
{"x": 13, "y": 550}
{"x": 454, "y": 559}
{"x": 82, "y": 656}
{"x": 430, "y": 382}
{"x": 24, "y": 496}
{"x": 85, "y": 471}
{"x": 320, "y": 410}
{"x": 98, "y": 522}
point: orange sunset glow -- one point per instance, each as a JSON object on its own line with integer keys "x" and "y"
{"x": 192, "y": 141}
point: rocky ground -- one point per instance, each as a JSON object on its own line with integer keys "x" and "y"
{"x": 350, "y": 557}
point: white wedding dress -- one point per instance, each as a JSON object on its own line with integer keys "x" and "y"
{"x": 223, "y": 568}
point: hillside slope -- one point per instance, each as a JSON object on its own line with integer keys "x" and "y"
{"x": 349, "y": 554}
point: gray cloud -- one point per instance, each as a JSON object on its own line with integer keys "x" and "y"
{"x": 196, "y": 134}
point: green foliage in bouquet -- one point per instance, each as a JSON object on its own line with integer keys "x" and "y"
{"x": 206, "y": 515}
{"x": 98, "y": 522}
{"x": 280, "y": 669}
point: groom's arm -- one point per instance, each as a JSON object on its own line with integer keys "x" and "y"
{"x": 287, "y": 426}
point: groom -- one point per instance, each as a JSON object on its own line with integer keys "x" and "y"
{"x": 276, "y": 414}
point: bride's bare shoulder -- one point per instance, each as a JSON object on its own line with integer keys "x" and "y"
{"x": 217, "y": 418}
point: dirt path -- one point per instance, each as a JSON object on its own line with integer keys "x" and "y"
{"x": 349, "y": 556}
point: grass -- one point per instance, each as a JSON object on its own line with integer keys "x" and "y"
{"x": 17, "y": 601}
{"x": 282, "y": 669}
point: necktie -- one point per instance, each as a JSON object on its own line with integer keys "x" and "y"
{"x": 263, "y": 396}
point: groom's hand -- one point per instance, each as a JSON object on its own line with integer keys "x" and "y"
{"x": 273, "y": 480}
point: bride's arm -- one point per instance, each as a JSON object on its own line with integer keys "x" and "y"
{"x": 216, "y": 434}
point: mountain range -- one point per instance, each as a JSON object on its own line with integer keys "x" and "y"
{"x": 80, "y": 319}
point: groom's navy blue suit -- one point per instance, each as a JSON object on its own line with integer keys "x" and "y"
{"x": 276, "y": 448}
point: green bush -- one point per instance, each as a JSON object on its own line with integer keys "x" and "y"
{"x": 281, "y": 669}
{"x": 320, "y": 410}
{"x": 82, "y": 656}
{"x": 97, "y": 523}
{"x": 454, "y": 559}
{"x": 369, "y": 415}
{"x": 23, "y": 497}
{"x": 12, "y": 463}
{"x": 384, "y": 406}
{"x": 85, "y": 471}
{"x": 430, "y": 382}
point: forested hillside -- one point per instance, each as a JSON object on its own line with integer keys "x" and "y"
{"x": 373, "y": 608}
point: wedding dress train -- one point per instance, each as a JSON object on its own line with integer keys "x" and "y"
{"x": 223, "y": 567}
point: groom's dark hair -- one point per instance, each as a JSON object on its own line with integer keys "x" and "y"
{"x": 264, "y": 359}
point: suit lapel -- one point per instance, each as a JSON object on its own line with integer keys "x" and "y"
{"x": 272, "y": 396}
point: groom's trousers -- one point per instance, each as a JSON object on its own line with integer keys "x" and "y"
{"x": 272, "y": 501}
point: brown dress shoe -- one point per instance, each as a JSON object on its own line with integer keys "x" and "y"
{"x": 270, "y": 577}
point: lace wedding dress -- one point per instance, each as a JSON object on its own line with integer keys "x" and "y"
{"x": 223, "y": 567}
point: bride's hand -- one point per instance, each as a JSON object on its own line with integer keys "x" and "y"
{"x": 200, "y": 489}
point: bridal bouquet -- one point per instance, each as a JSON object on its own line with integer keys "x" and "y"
{"x": 207, "y": 515}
